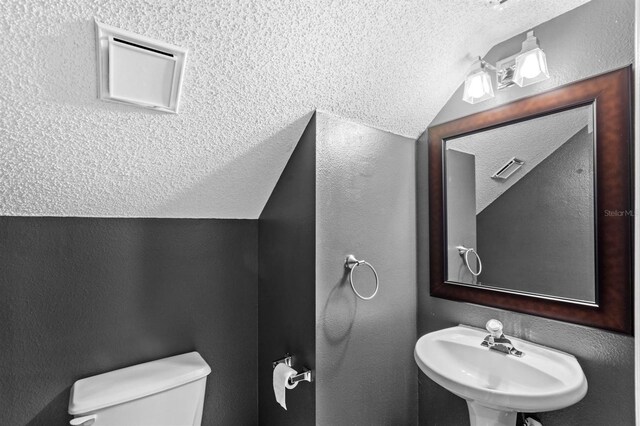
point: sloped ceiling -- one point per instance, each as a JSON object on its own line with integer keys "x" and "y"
{"x": 256, "y": 70}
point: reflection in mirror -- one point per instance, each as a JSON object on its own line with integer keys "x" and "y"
{"x": 520, "y": 207}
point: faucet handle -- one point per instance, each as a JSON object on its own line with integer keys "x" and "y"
{"x": 494, "y": 327}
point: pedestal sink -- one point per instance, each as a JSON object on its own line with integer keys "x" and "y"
{"x": 497, "y": 385}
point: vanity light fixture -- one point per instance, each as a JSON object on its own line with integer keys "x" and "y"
{"x": 477, "y": 85}
{"x": 526, "y": 67}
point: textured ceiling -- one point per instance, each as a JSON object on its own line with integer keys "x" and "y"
{"x": 531, "y": 141}
{"x": 255, "y": 72}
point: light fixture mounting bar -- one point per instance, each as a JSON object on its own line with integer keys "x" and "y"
{"x": 505, "y": 71}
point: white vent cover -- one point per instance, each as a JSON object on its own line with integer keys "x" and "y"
{"x": 137, "y": 70}
{"x": 508, "y": 169}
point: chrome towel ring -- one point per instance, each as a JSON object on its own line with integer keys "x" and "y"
{"x": 351, "y": 262}
{"x": 464, "y": 252}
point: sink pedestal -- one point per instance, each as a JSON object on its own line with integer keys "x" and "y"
{"x": 485, "y": 416}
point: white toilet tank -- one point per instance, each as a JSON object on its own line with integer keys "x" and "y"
{"x": 166, "y": 392}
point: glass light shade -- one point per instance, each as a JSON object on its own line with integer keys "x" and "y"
{"x": 531, "y": 67}
{"x": 477, "y": 87}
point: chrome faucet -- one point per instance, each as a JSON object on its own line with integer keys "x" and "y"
{"x": 496, "y": 340}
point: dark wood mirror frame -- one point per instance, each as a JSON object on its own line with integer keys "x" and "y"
{"x": 610, "y": 94}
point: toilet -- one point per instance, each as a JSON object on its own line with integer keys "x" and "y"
{"x": 165, "y": 392}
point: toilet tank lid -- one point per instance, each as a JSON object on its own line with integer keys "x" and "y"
{"x": 119, "y": 386}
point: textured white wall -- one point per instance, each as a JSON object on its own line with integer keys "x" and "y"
{"x": 256, "y": 70}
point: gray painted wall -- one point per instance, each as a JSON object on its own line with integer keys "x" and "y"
{"x": 365, "y": 188}
{"x": 287, "y": 250}
{"x": 589, "y": 40}
{"x": 554, "y": 253}
{"x": 82, "y": 296}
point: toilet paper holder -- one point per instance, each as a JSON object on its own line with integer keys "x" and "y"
{"x": 304, "y": 376}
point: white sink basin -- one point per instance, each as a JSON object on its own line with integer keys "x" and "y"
{"x": 495, "y": 385}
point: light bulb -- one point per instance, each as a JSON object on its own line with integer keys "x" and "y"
{"x": 531, "y": 66}
{"x": 531, "y": 63}
{"x": 476, "y": 86}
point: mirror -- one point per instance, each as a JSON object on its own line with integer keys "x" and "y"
{"x": 530, "y": 205}
{"x": 539, "y": 172}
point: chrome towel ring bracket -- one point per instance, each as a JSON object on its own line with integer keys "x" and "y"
{"x": 351, "y": 262}
{"x": 464, "y": 252}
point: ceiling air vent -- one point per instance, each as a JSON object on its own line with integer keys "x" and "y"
{"x": 508, "y": 169}
{"x": 137, "y": 70}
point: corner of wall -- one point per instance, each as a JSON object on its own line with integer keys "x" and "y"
{"x": 286, "y": 283}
